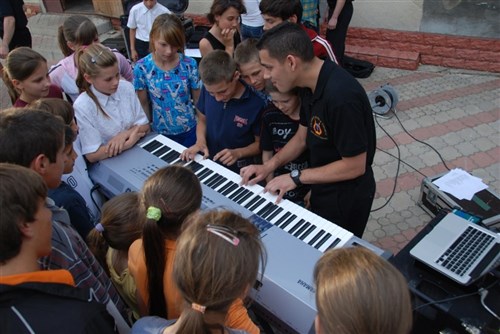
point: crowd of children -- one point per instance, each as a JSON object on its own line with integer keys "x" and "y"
{"x": 130, "y": 263}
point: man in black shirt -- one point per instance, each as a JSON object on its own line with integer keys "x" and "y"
{"x": 14, "y": 29}
{"x": 336, "y": 126}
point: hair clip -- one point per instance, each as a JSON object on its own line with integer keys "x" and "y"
{"x": 94, "y": 59}
{"x": 153, "y": 213}
{"x": 99, "y": 227}
{"x": 225, "y": 233}
{"x": 198, "y": 307}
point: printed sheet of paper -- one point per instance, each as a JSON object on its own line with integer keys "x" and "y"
{"x": 460, "y": 184}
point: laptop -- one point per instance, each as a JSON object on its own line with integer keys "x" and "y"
{"x": 459, "y": 249}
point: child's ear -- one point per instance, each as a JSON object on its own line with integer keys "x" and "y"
{"x": 71, "y": 45}
{"x": 236, "y": 75}
{"x": 40, "y": 164}
{"x": 26, "y": 230}
{"x": 18, "y": 84}
{"x": 87, "y": 78}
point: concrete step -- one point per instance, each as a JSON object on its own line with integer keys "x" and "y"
{"x": 407, "y": 60}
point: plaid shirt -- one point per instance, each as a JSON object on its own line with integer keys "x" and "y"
{"x": 70, "y": 252}
{"x": 310, "y": 11}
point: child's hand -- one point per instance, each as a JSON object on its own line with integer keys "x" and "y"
{"x": 134, "y": 55}
{"x": 190, "y": 153}
{"x": 136, "y": 134}
{"x": 227, "y": 157}
{"x": 116, "y": 144}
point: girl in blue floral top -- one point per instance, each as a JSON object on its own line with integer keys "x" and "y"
{"x": 167, "y": 82}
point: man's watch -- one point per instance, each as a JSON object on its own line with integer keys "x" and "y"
{"x": 295, "y": 175}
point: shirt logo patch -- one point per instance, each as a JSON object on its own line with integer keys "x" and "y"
{"x": 318, "y": 128}
{"x": 239, "y": 121}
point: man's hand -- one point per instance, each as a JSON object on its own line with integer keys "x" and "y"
{"x": 227, "y": 157}
{"x": 190, "y": 153}
{"x": 134, "y": 55}
{"x": 280, "y": 185}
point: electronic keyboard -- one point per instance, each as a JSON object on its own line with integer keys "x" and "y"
{"x": 294, "y": 237}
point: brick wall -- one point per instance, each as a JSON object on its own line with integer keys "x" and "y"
{"x": 407, "y": 50}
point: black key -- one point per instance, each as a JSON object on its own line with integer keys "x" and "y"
{"x": 242, "y": 193}
{"x": 208, "y": 173}
{"x": 296, "y": 226}
{"x": 230, "y": 189}
{"x": 170, "y": 157}
{"x": 203, "y": 173}
{"x": 257, "y": 204}
{"x": 236, "y": 193}
{"x": 245, "y": 197}
{"x": 211, "y": 179}
{"x": 264, "y": 209}
{"x": 282, "y": 218}
{"x": 227, "y": 185}
{"x": 288, "y": 221}
{"x": 322, "y": 241}
{"x": 316, "y": 237}
{"x": 252, "y": 201}
{"x": 195, "y": 166}
{"x": 270, "y": 211}
{"x": 161, "y": 151}
{"x": 221, "y": 180}
{"x": 275, "y": 213}
{"x": 309, "y": 230}
{"x": 334, "y": 243}
{"x": 302, "y": 229}
{"x": 152, "y": 146}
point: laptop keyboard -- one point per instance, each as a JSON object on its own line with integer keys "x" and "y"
{"x": 465, "y": 250}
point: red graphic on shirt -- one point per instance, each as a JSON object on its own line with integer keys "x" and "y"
{"x": 240, "y": 121}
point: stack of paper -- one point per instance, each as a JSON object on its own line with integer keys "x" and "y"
{"x": 460, "y": 184}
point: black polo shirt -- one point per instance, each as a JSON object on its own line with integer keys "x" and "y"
{"x": 339, "y": 120}
{"x": 13, "y": 8}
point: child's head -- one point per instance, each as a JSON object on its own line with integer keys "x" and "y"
{"x": 120, "y": 226}
{"x": 168, "y": 197}
{"x": 25, "y": 217}
{"x": 351, "y": 283}
{"x": 167, "y": 36}
{"x": 283, "y": 51}
{"x": 34, "y": 139}
{"x": 76, "y": 31}
{"x": 226, "y": 13}
{"x": 216, "y": 261}
{"x": 276, "y": 11}
{"x": 97, "y": 67}
{"x": 246, "y": 57}
{"x": 58, "y": 107}
{"x": 219, "y": 75}
{"x": 288, "y": 103}
{"x": 26, "y": 74}
{"x": 149, "y": 3}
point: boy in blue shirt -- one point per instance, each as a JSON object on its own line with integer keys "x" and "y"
{"x": 228, "y": 112}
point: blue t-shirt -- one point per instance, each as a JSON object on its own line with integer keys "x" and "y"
{"x": 232, "y": 124}
{"x": 169, "y": 91}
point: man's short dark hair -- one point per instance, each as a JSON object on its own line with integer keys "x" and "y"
{"x": 283, "y": 9}
{"x": 26, "y": 133}
{"x": 287, "y": 39}
{"x": 21, "y": 190}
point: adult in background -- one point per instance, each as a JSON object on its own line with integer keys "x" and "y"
{"x": 14, "y": 29}
{"x": 338, "y": 18}
{"x": 336, "y": 125}
{"x": 252, "y": 23}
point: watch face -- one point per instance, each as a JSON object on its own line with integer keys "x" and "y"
{"x": 294, "y": 173}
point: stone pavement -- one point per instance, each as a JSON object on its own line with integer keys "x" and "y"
{"x": 455, "y": 111}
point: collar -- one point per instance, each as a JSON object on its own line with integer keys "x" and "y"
{"x": 103, "y": 98}
{"x": 44, "y": 276}
{"x": 325, "y": 72}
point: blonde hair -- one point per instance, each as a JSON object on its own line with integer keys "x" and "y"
{"x": 358, "y": 292}
{"x": 19, "y": 65}
{"x": 168, "y": 28}
{"x": 217, "y": 260}
{"x": 91, "y": 60}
